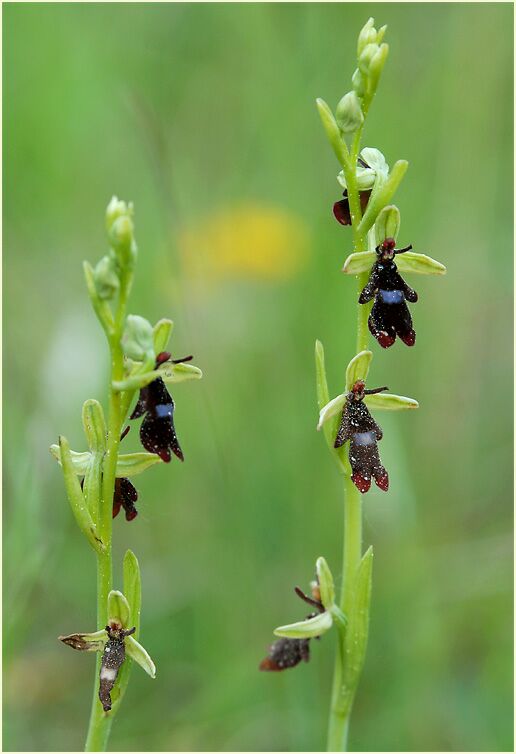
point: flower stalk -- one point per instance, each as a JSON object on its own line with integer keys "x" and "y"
{"x": 137, "y": 361}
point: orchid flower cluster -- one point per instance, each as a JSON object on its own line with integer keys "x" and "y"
{"x": 351, "y": 432}
{"x": 99, "y": 480}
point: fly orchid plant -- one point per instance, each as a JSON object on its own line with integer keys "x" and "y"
{"x": 351, "y": 432}
{"x": 98, "y": 481}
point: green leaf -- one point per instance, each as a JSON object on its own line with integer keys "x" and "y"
{"x": 387, "y": 224}
{"x": 162, "y": 332}
{"x": 133, "y": 589}
{"x": 333, "y": 408}
{"x": 94, "y": 425}
{"x": 358, "y": 368}
{"x": 360, "y": 261}
{"x": 80, "y": 461}
{"x": 419, "y": 263}
{"x": 306, "y": 629}
{"x": 118, "y": 608}
{"x": 140, "y": 655}
{"x": 326, "y": 585}
{"x": 93, "y": 642}
{"x": 332, "y": 131}
{"x": 77, "y": 499}
{"x": 389, "y": 402}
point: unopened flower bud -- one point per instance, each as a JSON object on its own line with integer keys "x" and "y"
{"x": 121, "y": 236}
{"x": 367, "y": 55}
{"x": 115, "y": 209}
{"x": 349, "y": 114}
{"x": 138, "y": 338}
{"x": 358, "y": 83}
{"x": 378, "y": 61}
{"x": 366, "y": 36}
{"x": 106, "y": 279}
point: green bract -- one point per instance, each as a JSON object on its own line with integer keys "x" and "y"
{"x": 306, "y": 629}
{"x": 332, "y": 131}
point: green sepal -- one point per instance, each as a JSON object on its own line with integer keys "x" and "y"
{"x": 118, "y": 608}
{"x": 94, "y": 425}
{"x": 387, "y": 224}
{"x": 421, "y": 264}
{"x": 131, "y": 464}
{"x": 358, "y": 368}
{"x": 326, "y": 585}
{"x": 332, "y": 131}
{"x": 389, "y": 402}
{"x": 358, "y": 262}
{"x": 140, "y": 655}
{"x": 77, "y": 499}
{"x": 92, "y": 642}
{"x": 323, "y": 397}
{"x": 332, "y": 408}
{"x": 133, "y": 589}
{"x": 171, "y": 373}
{"x": 379, "y": 199}
{"x": 80, "y": 461}
{"x": 306, "y": 629}
{"x": 162, "y": 332}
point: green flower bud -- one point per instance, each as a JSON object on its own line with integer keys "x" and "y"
{"x": 115, "y": 209}
{"x": 349, "y": 114}
{"x": 121, "y": 237}
{"x": 366, "y": 57}
{"x": 387, "y": 223}
{"x": 138, "y": 338}
{"x": 106, "y": 279}
{"x": 358, "y": 83}
{"x": 377, "y": 63}
{"x": 367, "y": 36}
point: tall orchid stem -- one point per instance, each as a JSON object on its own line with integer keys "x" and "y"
{"x": 345, "y": 683}
{"x": 100, "y": 722}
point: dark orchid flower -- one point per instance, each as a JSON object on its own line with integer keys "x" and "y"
{"x": 157, "y": 431}
{"x": 125, "y": 496}
{"x": 358, "y": 426}
{"x": 112, "y": 660}
{"x": 341, "y": 209}
{"x": 390, "y": 315}
{"x": 288, "y": 652}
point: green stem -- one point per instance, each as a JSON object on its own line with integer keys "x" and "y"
{"x": 100, "y": 722}
{"x": 344, "y": 683}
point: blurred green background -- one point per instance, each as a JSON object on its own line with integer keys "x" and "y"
{"x": 204, "y": 116}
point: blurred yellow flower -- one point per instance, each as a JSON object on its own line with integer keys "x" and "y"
{"x": 248, "y": 241}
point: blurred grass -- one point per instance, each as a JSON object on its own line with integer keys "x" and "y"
{"x": 195, "y": 112}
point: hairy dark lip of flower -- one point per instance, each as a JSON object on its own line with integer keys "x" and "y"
{"x": 157, "y": 431}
